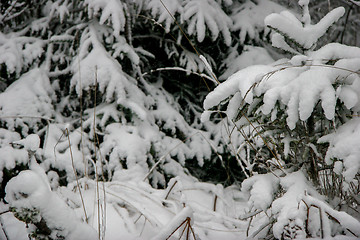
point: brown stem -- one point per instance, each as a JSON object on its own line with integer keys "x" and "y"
{"x": 167, "y": 195}
{"x": 192, "y": 230}
{"x": 176, "y": 229}
{"x": 215, "y": 200}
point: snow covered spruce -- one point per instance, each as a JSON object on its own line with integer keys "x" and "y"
{"x": 100, "y": 120}
{"x": 301, "y": 102}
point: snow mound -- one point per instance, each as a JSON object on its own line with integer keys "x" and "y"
{"x": 29, "y": 191}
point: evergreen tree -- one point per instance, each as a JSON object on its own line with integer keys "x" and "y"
{"x": 295, "y": 106}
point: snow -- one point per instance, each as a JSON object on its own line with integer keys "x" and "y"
{"x": 98, "y": 67}
{"x": 249, "y": 56}
{"x": 126, "y": 199}
{"x": 205, "y": 116}
{"x": 336, "y": 238}
{"x": 18, "y": 52}
{"x": 157, "y": 9}
{"x": 310, "y": 90}
{"x": 298, "y": 83}
{"x": 110, "y": 11}
{"x": 174, "y": 224}
{"x": 27, "y": 101}
{"x": 206, "y": 63}
{"x": 348, "y": 96}
{"x": 307, "y": 35}
{"x": 30, "y": 143}
{"x": 335, "y": 51}
{"x": 7, "y": 136}
{"x": 199, "y": 15}
{"x": 260, "y": 189}
{"x": 344, "y": 146}
{"x": 28, "y": 190}
{"x": 249, "y": 17}
{"x": 61, "y": 10}
{"x": 10, "y": 157}
{"x": 122, "y": 48}
{"x": 192, "y": 62}
{"x": 286, "y": 207}
{"x": 278, "y": 41}
{"x": 243, "y": 80}
{"x": 348, "y": 222}
{"x": 11, "y": 227}
{"x": 134, "y": 210}
{"x": 137, "y": 140}
{"x": 124, "y": 142}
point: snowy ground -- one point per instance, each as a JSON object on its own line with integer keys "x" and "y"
{"x": 134, "y": 210}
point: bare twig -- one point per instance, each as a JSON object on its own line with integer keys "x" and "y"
{"x": 76, "y": 177}
{"x": 167, "y": 195}
{"x": 177, "y": 229}
{"x": 202, "y": 75}
{"x": 215, "y": 200}
{"x": 3, "y": 229}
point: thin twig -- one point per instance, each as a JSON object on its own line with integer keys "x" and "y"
{"x": 81, "y": 119}
{"x": 1, "y": 213}
{"x": 167, "y": 195}
{"x": 215, "y": 200}
{"x": 176, "y": 229}
{"x": 191, "y": 229}
{"x": 3, "y": 19}
{"x": 76, "y": 177}
{"x": 185, "y": 227}
{"x": 262, "y": 227}
{"x": 202, "y": 75}
{"x": 3, "y": 229}
{"x": 275, "y": 155}
{"x": 248, "y": 227}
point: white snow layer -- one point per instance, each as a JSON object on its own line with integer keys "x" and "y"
{"x": 344, "y": 146}
{"x": 298, "y": 83}
{"x": 242, "y": 80}
{"x": 346, "y": 221}
{"x": 110, "y": 11}
{"x": 9, "y": 156}
{"x": 249, "y": 56}
{"x": 28, "y": 190}
{"x": 249, "y": 17}
{"x": 30, "y": 143}
{"x": 27, "y": 100}
{"x": 200, "y": 16}
{"x": 261, "y": 189}
{"x": 174, "y": 224}
{"x": 157, "y": 9}
{"x": 287, "y": 24}
{"x": 286, "y": 207}
{"x": 18, "y": 52}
